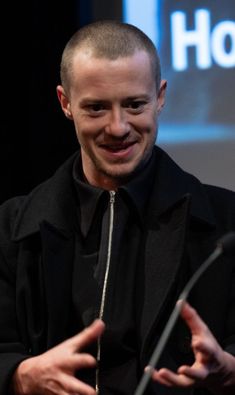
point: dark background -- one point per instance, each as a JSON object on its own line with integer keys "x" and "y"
{"x": 35, "y": 137}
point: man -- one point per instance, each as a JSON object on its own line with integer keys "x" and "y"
{"x": 115, "y": 235}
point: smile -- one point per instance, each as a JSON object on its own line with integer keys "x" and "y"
{"x": 120, "y": 150}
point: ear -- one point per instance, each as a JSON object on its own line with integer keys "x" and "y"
{"x": 161, "y": 95}
{"x": 64, "y": 101}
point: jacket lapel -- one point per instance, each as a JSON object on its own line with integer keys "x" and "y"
{"x": 177, "y": 199}
{"x": 57, "y": 257}
{"x": 51, "y": 210}
{"x": 164, "y": 251}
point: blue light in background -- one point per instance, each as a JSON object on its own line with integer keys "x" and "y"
{"x": 143, "y": 15}
{"x": 184, "y": 133}
{"x": 146, "y": 16}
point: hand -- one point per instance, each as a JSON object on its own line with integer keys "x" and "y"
{"x": 213, "y": 368}
{"x": 53, "y": 371}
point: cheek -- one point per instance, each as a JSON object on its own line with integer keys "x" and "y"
{"x": 89, "y": 126}
{"x": 148, "y": 120}
{"x": 148, "y": 126}
{"x": 86, "y": 136}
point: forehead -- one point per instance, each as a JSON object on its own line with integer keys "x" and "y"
{"x": 91, "y": 72}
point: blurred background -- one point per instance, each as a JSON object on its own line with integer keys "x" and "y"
{"x": 196, "y": 41}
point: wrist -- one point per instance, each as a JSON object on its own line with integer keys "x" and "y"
{"x": 226, "y": 383}
{"x": 20, "y": 379}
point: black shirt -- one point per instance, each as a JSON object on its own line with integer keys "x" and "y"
{"x": 119, "y": 370}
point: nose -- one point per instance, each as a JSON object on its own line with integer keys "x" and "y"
{"x": 117, "y": 124}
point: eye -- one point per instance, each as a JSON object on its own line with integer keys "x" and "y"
{"x": 136, "y": 105}
{"x": 95, "y": 109}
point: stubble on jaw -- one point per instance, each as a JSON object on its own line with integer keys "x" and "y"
{"x": 112, "y": 176}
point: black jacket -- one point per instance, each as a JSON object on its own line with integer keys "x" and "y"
{"x": 184, "y": 221}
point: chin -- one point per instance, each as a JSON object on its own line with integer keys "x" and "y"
{"x": 120, "y": 172}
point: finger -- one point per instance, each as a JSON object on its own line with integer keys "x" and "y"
{"x": 75, "y": 386}
{"x": 192, "y": 319}
{"x": 83, "y": 360}
{"x": 83, "y": 389}
{"x": 88, "y": 335}
{"x": 160, "y": 379}
{"x": 206, "y": 347}
{"x": 197, "y": 374}
{"x": 156, "y": 376}
{"x": 169, "y": 378}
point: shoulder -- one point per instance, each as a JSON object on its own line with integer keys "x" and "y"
{"x": 220, "y": 193}
{"x": 9, "y": 211}
{"x": 223, "y": 203}
{"x": 38, "y": 203}
{"x": 209, "y": 202}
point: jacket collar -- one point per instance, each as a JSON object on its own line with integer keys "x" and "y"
{"x": 172, "y": 184}
{"x": 51, "y": 202}
{"x": 135, "y": 192}
{"x": 54, "y": 201}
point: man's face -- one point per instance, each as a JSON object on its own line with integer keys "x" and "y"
{"x": 114, "y": 105}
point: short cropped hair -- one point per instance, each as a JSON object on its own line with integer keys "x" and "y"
{"x": 108, "y": 39}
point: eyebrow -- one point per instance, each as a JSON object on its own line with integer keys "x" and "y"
{"x": 138, "y": 97}
{"x": 90, "y": 100}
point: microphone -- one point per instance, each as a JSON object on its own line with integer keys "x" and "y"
{"x": 224, "y": 245}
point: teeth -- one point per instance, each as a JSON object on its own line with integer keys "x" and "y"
{"x": 118, "y": 148}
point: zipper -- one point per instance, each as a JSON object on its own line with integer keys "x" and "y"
{"x": 105, "y": 283}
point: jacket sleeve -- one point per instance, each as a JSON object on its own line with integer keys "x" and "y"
{"x": 229, "y": 343}
{"x": 12, "y": 351}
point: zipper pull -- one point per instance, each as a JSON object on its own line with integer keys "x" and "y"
{"x": 112, "y": 196}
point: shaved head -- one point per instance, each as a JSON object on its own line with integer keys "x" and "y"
{"x": 110, "y": 40}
